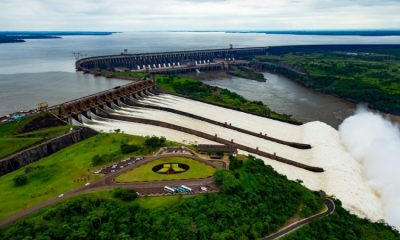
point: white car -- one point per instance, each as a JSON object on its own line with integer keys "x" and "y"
{"x": 61, "y": 195}
{"x": 87, "y": 184}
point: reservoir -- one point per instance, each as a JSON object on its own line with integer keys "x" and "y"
{"x": 44, "y": 70}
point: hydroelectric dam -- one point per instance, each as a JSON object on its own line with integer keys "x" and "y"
{"x": 108, "y": 106}
{"x": 171, "y": 62}
{"x": 128, "y": 98}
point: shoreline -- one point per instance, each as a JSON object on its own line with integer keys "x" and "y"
{"x": 210, "y": 76}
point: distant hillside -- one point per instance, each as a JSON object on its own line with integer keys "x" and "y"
{"x": 21, "y": 36}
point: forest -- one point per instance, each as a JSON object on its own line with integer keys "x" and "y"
{"x": 254, "y": 201}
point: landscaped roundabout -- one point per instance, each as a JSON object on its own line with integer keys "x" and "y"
{"x": 168, "y": 168}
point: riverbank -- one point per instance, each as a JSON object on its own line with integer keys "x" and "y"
{"x": 191, "y": 88}
{"x": 367, "y": 75}
{"x": 246, "y": 73}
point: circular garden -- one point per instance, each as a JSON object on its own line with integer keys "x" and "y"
{"x": 168, "y": 168}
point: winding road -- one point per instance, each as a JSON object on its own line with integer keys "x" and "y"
{"x": 330, "y": 208}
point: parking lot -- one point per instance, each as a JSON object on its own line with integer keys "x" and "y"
{"x": 117, "y": 166}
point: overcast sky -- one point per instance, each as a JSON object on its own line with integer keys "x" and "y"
{"x": 131, "y": 15}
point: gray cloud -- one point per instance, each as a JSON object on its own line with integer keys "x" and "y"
{"x": 125, "y": 15}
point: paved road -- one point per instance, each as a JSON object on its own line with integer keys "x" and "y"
{"x": 107, "y": 183}
{"x": 330, "y": 208}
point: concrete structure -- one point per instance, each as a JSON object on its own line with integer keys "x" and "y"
{"x": 73, "y": 109}
{"x": 214, "y": 148}
{"x": 172, "y": 62}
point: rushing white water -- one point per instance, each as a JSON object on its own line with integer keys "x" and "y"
{"x": 375, "y": 143}
{"x": 109, "y": 125}
{"x": 343, "y": 176}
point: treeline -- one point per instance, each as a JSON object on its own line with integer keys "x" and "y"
{"x": 246, "y": 73}
{"x": 344, "y": 225}
{"x": 200, "y": 91}
{"x": 254, "y": 201}
{"x": 368, "y": 77}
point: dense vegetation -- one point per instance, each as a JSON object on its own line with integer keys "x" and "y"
{"x": 20, "y": 134}
{"x": 343, "y": 225}
{"x": 63, "y": 171}
{"x": 155, "y": 142}
{"x": 371, "y": 76}
{"x": 129, "y": 148}
{"x": 200, "y": 91}
{"x": 246, "y": 73}
{"x": 125, "y": 194}
{"x": 254, "y": 202}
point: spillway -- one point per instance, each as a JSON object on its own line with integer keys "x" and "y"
{"x": 342, "y": 177}
{"x": 251, "y": 122}
{"x": 303, "y": 156}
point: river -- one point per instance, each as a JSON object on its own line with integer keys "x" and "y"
{"x": 43, "y": 70}
{"x": 285, "y": 96}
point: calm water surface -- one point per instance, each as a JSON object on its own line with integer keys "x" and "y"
{"x": 43, "y": 70}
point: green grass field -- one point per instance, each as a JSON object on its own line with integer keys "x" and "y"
{"x": 145, "y": 172}
{"x": 12, "y": 140}
{"x": 60, "y": 172}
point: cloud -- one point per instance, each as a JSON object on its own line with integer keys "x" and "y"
{"x": 125, "y": 15}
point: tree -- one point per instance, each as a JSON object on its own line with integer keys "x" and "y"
{"x": 125, "y": 194}
{"x": 127, "y": 148}
{"x": 155, "y": 142}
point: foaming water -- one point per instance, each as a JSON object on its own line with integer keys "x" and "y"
{"x": 375, "y": 142}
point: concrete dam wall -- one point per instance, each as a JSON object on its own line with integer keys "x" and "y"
{"x": 171, "y": 62}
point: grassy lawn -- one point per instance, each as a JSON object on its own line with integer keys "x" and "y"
{"x": 11, "y": 145}
{"x": 145, "y": 172}
{"x": 60, "y": 172}
{"x": 12, "y": 139}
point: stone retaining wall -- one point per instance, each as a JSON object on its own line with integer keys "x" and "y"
{"x": 35, "y": 153}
